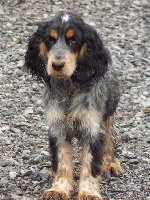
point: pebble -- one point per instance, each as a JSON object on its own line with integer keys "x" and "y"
{"x": 44, "y": 176}
{"x": 129, "y": 136}
{"x": 39, "y": 110}
{"x": 5, "y": 128}
{"x": 133, "y": 161}
{"x": 12, "y": 174}
{"x": 148, "y": 140}
{"x": 4, "y": 181}
{"x": 24, "y": 187}
{"x": 44, "y": 128}
{"x": 28, "y": 111}
{"x": 46, "y": 153}
{"x": 128, "y": 154}
{"x": 25, "y": 168}
{"x": 146, "y": 104}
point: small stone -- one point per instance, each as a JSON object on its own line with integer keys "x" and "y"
{"x": 33, "y": 170}
{"x": 44, "y": 176}
{"x": 23, "y": 127}
{"x": 128, "y": 154}
{"x": 24, "y": 187}
{"x": 4, "y": 181}
{"x": 8, "y": 162}
{"x": 36, "y": 177}
{"x": 13, "y": 161}
{"x": 46, "y": 153}
{"x": 148, "y": 140}
{"x": 1, "y": 10}
{"x": 15, "y": 196}
{"x": 8, "y": 142}
{"x": 137, "y": 3}
{"x": 39, "y": 110}
{"x": 28, "y": 111}
{"x": 11, "y": 187}
{"x": 44, "y": 128}
{"x": 129, "y": 122}
{"x": 127, "y": 136}
{"x": 25, "y": 157}
{"x": 146, "y": 104}
{"x": 133, "y": 161}
{"x": 26, "y": 172}
{"x": 147, "y": 160}
{"x": 5, "y": 128}
{"x": 20, "y": 63}
{"x": 12, "y": 175}
{"x": 39, "y": 102}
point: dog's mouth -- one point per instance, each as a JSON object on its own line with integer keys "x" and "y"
{"x": 59, "y": 75}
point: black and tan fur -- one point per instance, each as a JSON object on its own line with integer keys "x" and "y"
{"x": 81, "y": 98}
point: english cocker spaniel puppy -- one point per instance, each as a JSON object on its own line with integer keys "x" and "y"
{"x": 81, "y": 97}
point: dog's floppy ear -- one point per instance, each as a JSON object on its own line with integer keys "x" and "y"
{"x": 35, "y": 58}
{"x": 94, "y": 58}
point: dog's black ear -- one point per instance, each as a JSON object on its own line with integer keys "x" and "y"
{"x": 94, "y": 58}
{"x": 35, "y": 58}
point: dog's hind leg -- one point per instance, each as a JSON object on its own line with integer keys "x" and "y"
{"x": 110, "y": 162}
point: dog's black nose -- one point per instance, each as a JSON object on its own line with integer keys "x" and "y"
{"x": 58, "y": 66}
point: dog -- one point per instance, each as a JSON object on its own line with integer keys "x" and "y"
{"x": 82, "y": 93}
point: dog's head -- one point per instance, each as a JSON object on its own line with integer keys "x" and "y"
{"x": 66, "y": 47}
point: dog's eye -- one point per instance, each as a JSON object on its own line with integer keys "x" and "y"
{"x": 52, "y": 40}
{"x": 71, "y": 40}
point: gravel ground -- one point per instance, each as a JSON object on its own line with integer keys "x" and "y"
{"x": 25, "y": 169}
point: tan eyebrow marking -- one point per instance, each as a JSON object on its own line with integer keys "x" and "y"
{"x": 53, "y": 33}
{"x": 70, "y": 33}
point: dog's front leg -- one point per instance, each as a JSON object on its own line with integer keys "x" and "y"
{"x": 62, "y": 165}
{"x": 61, "y": 156}
{"x": 90, "y": 127}
{"x": 90, "y": 178}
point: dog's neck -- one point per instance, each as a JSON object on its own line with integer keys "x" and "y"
{"x": 62, "y": 87}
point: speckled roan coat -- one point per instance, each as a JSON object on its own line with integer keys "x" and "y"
{"x": 80, "y": 101}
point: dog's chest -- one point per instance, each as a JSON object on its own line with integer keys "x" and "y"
{"x": 65, "y": 101}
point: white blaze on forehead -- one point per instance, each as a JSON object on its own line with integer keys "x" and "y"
{"x": 65, "y": 18}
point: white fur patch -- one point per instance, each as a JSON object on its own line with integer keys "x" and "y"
{"x": 54, "y": 115}
{"x": 65, "y": 18}
{"x": 90, "y": 119}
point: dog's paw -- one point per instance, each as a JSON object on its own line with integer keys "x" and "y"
{"x": 114, "y": 168}
{"x": 54, "y": 195}
{"x": 89, "y": 197}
